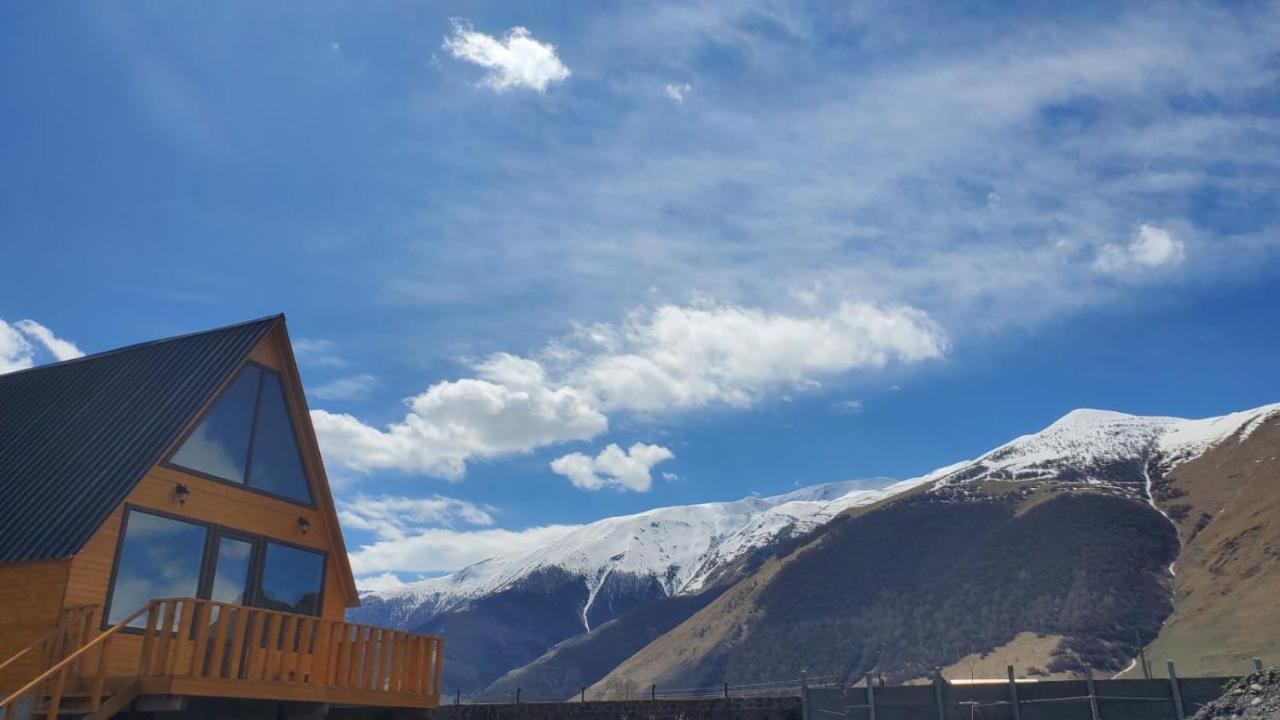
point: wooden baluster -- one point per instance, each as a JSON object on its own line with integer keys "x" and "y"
{"x": 339, "y": 638}
{"x": 225, "y": 615}
{"x": 272, "y": 651}
{"x": 411, "y": 665}
{"x": 55, "y": 696}
{"x": 388, "y": 678}
{"x": 428, "y": 664}
{"x": 166, "y": 634}
{"x": 398, "y": 683}
{"x": 373, "y": 659}
{"x": 280, "y": 670}
{"x": 306, "y": 638}
{"x": 342, "y": 673}
{"x": 252, "y": 645}
{"x": 183, "y": 639}
{"x": 100, "y": 678}
{"x": 355, "y": 673}
{"x": 200, "y": 649}
{"x": 148, "y": 639}
{"x": 320, "y": 668}
{"x": 439, "y": 666}
{"x": 385, "y": 639}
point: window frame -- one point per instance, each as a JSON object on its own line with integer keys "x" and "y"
{"x": 208, "y": 561}
{"x": 253, "y": 441}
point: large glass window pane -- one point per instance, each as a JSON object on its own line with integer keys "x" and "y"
{"x": 159, "y": 558}
{"x": 291, "y": 580}
{"x": 277, "y": 467}
{"x": 231, "y": 571}
{"x": 220, "y": 444}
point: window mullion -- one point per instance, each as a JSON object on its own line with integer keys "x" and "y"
{"x": 253, "y": 428}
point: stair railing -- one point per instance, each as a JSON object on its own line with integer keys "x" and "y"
{"x": 74, "y": 627}
{"x": 59, "y": 671}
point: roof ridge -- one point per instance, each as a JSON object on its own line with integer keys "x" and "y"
{"x": 140, "y": 345}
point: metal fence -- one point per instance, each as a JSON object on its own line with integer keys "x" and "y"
{"x": 1018, "y": 699}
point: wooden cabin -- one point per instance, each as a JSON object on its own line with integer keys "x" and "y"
{"x": 167, "y": 531}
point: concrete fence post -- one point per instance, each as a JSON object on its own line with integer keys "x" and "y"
{"x": 653, "y": 692}
{"x": 584, "y": 693}
{"x": 1257, "y": 664}
{"x": 1013, "y": 694}
{"x": 726, "y": 691}
{"x": 457, "y": 698}
{"x": 871, "y": 698}
{"x": 1093, "y": 693}
{"x": 1176, "y": 692}
{"x": 518, "y": 696}
{"x": 938, "y": 693}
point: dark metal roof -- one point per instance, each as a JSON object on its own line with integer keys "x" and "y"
{"x": 76, "y": 436}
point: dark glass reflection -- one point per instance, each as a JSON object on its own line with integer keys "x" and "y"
{"x": 231, "y": 573}
{"x": 291, "y": 580}
{"x": 220, "y": 444}
{"x": 160, "y": 558}
{"x": 277, "y": 467}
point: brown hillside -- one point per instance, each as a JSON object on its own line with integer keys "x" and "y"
{"x": 1226, "y": 505}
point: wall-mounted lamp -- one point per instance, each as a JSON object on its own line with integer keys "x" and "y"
{"x": 304, "y": 524}
{"x": 181, "y": 492}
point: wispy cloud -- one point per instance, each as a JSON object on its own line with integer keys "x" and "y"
{"x": 629, "y": 469}
{"x": 517, "y": 60}
{"x": 445, "y": 549}
{"x": 396, "y": 517}
{"x": 344, "y": 388}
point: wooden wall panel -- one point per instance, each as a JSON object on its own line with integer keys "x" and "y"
{"x": 30, "y": 599}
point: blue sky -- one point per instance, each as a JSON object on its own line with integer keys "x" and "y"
{"x": 748, "y": 245}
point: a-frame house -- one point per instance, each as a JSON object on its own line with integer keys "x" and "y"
{"x": 167, "y": 531}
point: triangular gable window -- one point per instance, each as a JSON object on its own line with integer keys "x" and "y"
{"x": 247, "y": 438}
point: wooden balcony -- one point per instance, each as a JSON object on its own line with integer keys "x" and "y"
{"x": 200, "y": 648}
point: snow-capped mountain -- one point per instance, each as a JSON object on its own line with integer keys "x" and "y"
{"x": 1107, "y": 448}
{"x": 605, "y": 570}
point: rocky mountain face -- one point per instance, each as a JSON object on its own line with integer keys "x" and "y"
{"x": 1055, "y": 549}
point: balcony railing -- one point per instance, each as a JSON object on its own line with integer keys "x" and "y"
{"x": 202, "y": 648}
{"x": 219, "y": 646}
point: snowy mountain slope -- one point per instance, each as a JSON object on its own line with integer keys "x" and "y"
{"x": 678, "y": 546}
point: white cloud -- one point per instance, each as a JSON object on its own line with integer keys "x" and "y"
{"x": 444, "y": 549}
{"x": 59, "y": 348}
{"x": 672, "y": 358}
{"x": 689, "y": 357}
{"x": 395, "y": 517}
{"x": 1150, "y": 247}
{"x": 17, "y": 351}
{"x": 518, "y": 60}
{"x": 511, "y": 407}
{"x": 629, "y": 470}
{"x": 670, "y": 476}
{"x": 677, "y": 91}
{"x": 344, "y": 388}
{"x": 378, "y": 583}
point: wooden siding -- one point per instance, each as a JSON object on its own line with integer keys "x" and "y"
{"x": 30, "y": 600}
